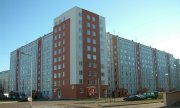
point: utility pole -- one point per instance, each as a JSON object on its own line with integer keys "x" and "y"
{"x": 99, "y": 88}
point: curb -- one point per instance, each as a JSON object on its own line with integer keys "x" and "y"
{"x": 127, "y": 104}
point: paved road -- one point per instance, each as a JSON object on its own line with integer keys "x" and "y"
{"x": 27, "y": 104}
{"x": 72, "y": 104}
{"x": 153, "y": 105}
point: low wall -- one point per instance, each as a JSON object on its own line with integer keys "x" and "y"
{"x": 170, "y": 98}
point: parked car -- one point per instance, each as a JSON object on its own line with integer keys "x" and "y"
{"x": 152, "y": 95}
{"x": 141, "y": 97}
{"x": 134, "y": 98}
{"x": 23, "y": 99}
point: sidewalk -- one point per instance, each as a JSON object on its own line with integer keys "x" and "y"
{"x": 3, "y": 102}
{"x": 100, "y": 103}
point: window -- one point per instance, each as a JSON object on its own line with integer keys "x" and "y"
{"x": 63, "y": 49}
{"x": 80, "y": 72}
{"x": 55, "y": 68}
{"x": 94, "y": 74}
{"x": 88, "y": 24}
{"x": 102, "y": 82}
{"x": 59, "y": 59}
{"x": 80, "y": 38}
{"x": 54, "y": 75}
{"x": 89, "y": 64}
{"x": 94, "y": 33}
{"x": 93, "y": 19}
{"x": 59, "y": 83}
{"x": 63, "y": 74}
{"x": 55, "y": 37}
{"x": 94, "y": 41}
{"x": 59, "y": 29}
{"x": 59, "y": 66}
{"x": 55, "y": 45}
{"x": 93, "y": 26}
{"x": 55, "y": 60}
{"x": 59, "y": 51}
{"x": 80, "y": 14}
{"x": 59, "y": 35}
{"x": 89, "y": 48}
{"x": 63, "y": 41}
{"x": 81, "y": 90}
{"x": 94, "y": 57}
{"x": 80, "y": 22}
{"x": 94, "y": 65}
{"x": 88, "y": 40}
{"x": 89, "y": 82}
{"x": 63, "y": 57}
{"x": 95, "y": 82}
{"x": 88, "y": 17}
{"x": 63, "y": 65}
{"x": 88, "y": 32}
{"x": 80, "y": 81}
{"x": 59, "y": 43}
{"x": 102, "y": 74}
{"x": 94, "y": 49}
{"x": 59, "y": 75}
{"x": 80, "y": 63}
{"x": 102, "y": 66}
{"x": 80, "y": 30}
{"x": 88, "y": 56}
{"x": 55, "y": 30}
{"x": 89, "y": 73}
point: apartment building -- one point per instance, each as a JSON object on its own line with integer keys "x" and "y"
{"x": 35, "y": 58}
{"x": 136, "y": 68}
{"x": 177, "y": 75}
{"x": 79, "y": 60}
{"x": 70, "y": 62}
{"x": 79, "y": 51}
{"x": 4, "y": 81}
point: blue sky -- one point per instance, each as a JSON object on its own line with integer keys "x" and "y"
{"x": 154, "y": 23}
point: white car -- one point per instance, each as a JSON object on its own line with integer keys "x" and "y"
{"x": 29, "y": 99}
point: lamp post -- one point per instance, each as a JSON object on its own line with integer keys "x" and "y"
{"x": 167, "y": 82}
{"x": 30, "y": 73}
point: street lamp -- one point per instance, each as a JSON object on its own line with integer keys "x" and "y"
{"x": 167, "y": 82}
{"x": 31, "y": 73}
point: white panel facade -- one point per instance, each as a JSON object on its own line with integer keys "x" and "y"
{"x": 162, "y": 69}
{"x": 12, "y": 72}
{"x": 127, "y": 75}
{"x": 46, "y": 75}
{"x": 103, "y": 51}
{"x": 25, "y": 68}
{"x": 110, "y": 62}
{"x": 147, "y": 75}
{"x": 73, "y": 15}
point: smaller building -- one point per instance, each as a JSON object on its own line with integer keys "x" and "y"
{"x": 4, "y": 81}
{"x": 177, "y": 70}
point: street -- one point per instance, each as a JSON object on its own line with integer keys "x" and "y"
{"x": 81, "y": 104}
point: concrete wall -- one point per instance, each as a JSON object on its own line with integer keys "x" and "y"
{"x": 171, "y": 98}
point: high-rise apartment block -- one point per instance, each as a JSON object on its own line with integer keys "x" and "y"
{"x": 67, "y": 62}
{"x": 40, "y": 53}
{"x": 79, "y": 60}
{"x": 4, "y": 81}
{"x": 135, "y": 68}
